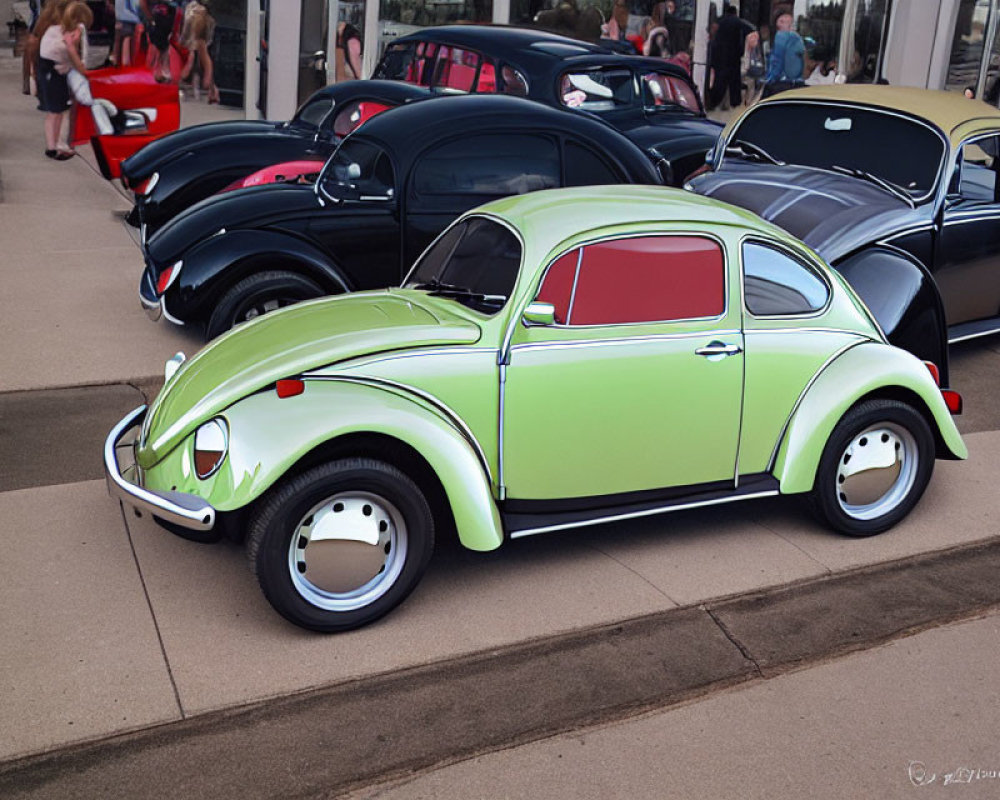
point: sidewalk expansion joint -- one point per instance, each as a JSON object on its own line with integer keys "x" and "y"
{"x": 736, "y": 642}
{"x": 396, "y": 724}
{"x": 152, "y": 613}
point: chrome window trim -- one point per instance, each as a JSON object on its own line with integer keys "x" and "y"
{"x": 808, "y": 263}
{"x": 651, "y": 338}
{"x": 927, "y": 226}
{"x": 957, "y": 159}
{"x": 798, "y": 401}
{"x": 368, "y": 360}
{"x": 935, "y": 189}
{"x": 647, "y": 513}
{"x": 448, "y": 412}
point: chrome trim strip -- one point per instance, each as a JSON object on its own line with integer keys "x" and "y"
{"x": 428, "y": 398}
{"x": 501, "y": 484}
{"x": 808, "y": 330}
{"x": 576, "y": 279}
{"x": 929, "y": 226}
{"x": 186, "y": 510}
{"x": 961, "y": 217}
{"x": 647, "y": 513}
{"x": 378, "y": 358}
{"x": 666, "y": 337}
{"x": 798, "y": 401}
{"x": 975, "y": 335}
{"x": 167, "y": 315}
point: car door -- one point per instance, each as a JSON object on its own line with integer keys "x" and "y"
{"x": 463, "y": 172}
{"x": 967, "y": 262}
{"x": 638, "y": 385}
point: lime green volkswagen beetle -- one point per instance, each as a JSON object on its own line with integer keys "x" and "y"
{"x": 553, "y": 360}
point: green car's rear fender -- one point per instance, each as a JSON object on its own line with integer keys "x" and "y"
{"x": 268, "y": 436}
{"x": 863, "y": 370}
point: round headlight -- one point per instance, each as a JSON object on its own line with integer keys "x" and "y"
{"x": 211, "y": 442}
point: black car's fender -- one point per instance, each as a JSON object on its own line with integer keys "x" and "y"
{"x": 213, "y": 266}
{"x": 902, "y": 296}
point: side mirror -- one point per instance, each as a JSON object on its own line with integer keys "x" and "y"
{"x": 539, "y": 313}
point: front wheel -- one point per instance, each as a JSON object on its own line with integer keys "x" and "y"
{"x": 342, "y": 544}
{"x": 874, "y": 468}
{"x": 256, "y": 295}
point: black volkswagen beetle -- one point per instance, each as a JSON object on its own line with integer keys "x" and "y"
{"x": 897, "y": 188}
{"x": 387, "y": 191}
{"x": 655, "y": 104}
{"x": 178, "y": 170}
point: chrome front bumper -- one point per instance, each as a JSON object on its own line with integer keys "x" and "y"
{"x": 186, "y": 510}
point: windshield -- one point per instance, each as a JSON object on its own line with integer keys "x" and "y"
{"x": 898, "y": 150}
{"x": 358, "y": 170}
{"x": 312, "y": 112}
{"x": 475, "y": 262}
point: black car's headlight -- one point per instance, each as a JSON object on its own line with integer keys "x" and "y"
{"x": 211, "y": 443}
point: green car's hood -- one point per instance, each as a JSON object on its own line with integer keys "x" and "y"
{"x": 286, "y": 343}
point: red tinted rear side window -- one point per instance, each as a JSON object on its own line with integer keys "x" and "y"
{"x": 557, "y": 287}
{"x": 649, "y": 279}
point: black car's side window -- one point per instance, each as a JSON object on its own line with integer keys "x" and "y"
{"x": 978, "y": 175}
{"x": 487, "y": 165}
{"x": 584, "y": 167}
{"x": 775, "y": 284}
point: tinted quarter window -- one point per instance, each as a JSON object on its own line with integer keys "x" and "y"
{"x": 313, "y": 112}
{"x": 584, "y": 167}
{"x": 649, "y": 279}
{"x": 897, "y": 149}
{"x": 358, "y": 170}
{"x": 659, "y": 89}
{"x": 775, "y": 284}
{"x": 396, "y": 64}
{"x": 475, "y": 263}
{"x": 489, "y": 165}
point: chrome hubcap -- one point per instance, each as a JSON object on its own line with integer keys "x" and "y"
{"x": 876, "y": 471}
{"x": 347, "y": 551}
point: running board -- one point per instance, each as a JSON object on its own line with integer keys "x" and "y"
{"x": 973, "y": 330}
{"x": 518, "y": 525}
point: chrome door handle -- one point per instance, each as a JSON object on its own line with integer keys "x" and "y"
{"x": 719, "y": 350}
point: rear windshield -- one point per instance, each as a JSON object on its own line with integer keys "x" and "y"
{"x": 896, "y": 149}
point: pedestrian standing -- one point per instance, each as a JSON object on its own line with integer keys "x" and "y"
{"x": 160, "y": 16}
{"x": 197, "y": 32}
{"x": 58, "y": 53}
{"x": 787, "y": 63}
{"x": 348, "y": 55}
{"x": 754, "y": 67}
{"x": 126, "y": 18}
{"x": 727, "y": 53}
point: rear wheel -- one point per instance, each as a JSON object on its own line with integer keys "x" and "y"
{"x": 874, "y": 468}
{"x": 342, "y": 544}
{"x": 256, "y": 295}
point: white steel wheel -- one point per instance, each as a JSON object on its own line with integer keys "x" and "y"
{"x": 341, "y": 544}
{"x": 874, "y": 468}
{"x": 347, "y": 551}
{"x": 876, "y": 471}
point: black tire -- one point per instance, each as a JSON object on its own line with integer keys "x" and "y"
{"x": 862, "y": 502}
{"x": 247, "y": 298}
{"x": 344, "y": 497}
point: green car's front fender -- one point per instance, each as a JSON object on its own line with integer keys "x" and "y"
{"x": 860, "y": 371}
{"x": 268, "y": 435}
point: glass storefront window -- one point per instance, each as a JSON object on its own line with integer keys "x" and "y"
{"x": 967, "y": 44}
{"x": 400, "y": 17}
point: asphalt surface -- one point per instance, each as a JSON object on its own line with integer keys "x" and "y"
{"x": 324, "y": 743}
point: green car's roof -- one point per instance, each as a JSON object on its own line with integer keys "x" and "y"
{"x": 550, "y": 217}
{"x": 952, "y": 112}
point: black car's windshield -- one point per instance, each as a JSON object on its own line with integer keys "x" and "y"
{"x": 898, "y": 150}
{"x": 475, "y": 263}
{"x": 312, "y": 113}
{"x": 358, "y": 170}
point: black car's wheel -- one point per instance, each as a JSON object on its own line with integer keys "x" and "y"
{"x": 257, "y": 294}
{"x": 874, "y": 467}
{"x": 342, "y": 544}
